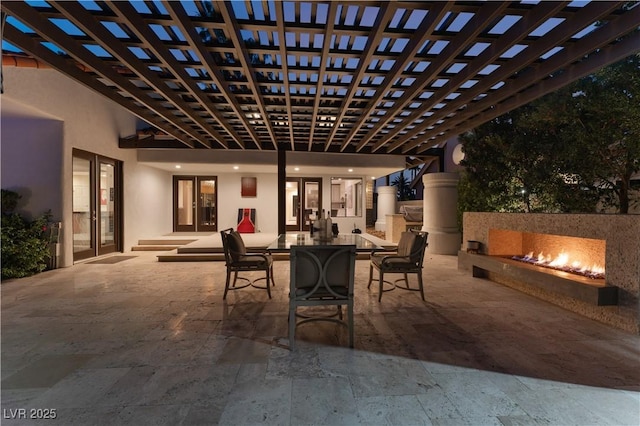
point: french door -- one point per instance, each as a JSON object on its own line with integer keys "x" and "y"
{"x": 97, "y": 205}
{"x": 195, "y": 203}
{"x": 304, "y": 197}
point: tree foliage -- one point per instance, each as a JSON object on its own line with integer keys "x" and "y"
{"x": 574, "y": 150}
{"x": 403, "y": 188}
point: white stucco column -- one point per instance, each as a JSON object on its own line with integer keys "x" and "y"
{"x": 386, "y": 205}
{"x": 440, "y": 212}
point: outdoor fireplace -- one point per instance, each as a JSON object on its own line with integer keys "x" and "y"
{"x": 583, "y": 257}
{"x": 608, "y": 246}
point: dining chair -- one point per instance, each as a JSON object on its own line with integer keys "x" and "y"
{"x": 238, "y": 260}
{"x": 407, "y": 259}
{"x": 321, "y": 275}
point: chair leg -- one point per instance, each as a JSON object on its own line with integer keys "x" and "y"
{"x": 350, "y": 312}
{"x": 420, "y": 284}
{"x": 267, "y": 282}
{"x": 235, "y": 278}
{"x": 381, "y": 285}
{"x": 292, "y": 327}
{"x": 272, "y": 280}
{"x": 226, "y": 285}
{"x": 406, "y": 280}
{"x": 370, "y": 275}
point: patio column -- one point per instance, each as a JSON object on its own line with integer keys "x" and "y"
{"x": 440, "y": 212}
{"x": 386, "y": 205}
{"x": 282, "y": 190}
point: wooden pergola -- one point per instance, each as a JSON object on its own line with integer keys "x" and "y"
{"x": 393, "y": 77}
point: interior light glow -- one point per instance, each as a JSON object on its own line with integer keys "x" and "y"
{"x": 178, "y": 166}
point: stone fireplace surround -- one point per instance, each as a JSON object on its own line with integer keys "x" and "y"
{"x": 620, "y": 235}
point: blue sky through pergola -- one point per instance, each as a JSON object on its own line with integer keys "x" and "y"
{"x": 289, "y": 9}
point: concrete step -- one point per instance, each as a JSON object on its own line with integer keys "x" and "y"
{"x": 165, "y": 241}
{"x": 161, "y": 247}
{"x": 191, "y": 257}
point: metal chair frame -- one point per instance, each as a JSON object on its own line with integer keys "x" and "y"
{"x": 246, "y": 262}
{"x": 393, "y": 264}
{"x": 325, "y": 290}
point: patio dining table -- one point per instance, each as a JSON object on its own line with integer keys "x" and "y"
{"x": 284, "y": 242}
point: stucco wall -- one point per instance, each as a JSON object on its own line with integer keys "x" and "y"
{"x": 31, "y": 153}
{"x": 89, "y": 122}
{"x": 265, "y": 202}
{"x": 147, "y": 203}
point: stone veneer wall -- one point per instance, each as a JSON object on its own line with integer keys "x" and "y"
{"x": 622, "y": 236}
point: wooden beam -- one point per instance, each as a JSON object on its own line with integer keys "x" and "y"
{"x": 59, "y": 63}
{"x": 84, "y": 20}
{"x": 26, "y": 14}
{"x": 285, "y": 66}
{"x": 423, "y": 32}
{"x": 136, "y": 24}
{"x": 235, "y": 36}
{"x": 373, "y": 40}
{"x": 603, "y": 57}
{"x": 331, "y": 19}
{"x": 589, "y": 13}
{"x": 186, "y": 26}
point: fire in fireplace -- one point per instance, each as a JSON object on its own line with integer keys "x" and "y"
{"x": 563, "y": 262}
{"x": 581, "y": 256}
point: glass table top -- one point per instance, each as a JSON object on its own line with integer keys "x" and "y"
{"x": 285, "y": 241}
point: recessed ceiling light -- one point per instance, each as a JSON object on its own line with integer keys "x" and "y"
{"x": 350, "y": 170}
{"x": 373, "y": 177}
{"x": 297, "y": 169}
{"x": 178, "y": 166}
{"x": 235, "y": 167}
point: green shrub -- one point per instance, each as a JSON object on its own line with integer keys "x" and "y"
{"x": 25, "y": 243}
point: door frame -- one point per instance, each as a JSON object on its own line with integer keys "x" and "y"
{"x": 302, "y": 222}
{"x": 95, "y": 247}
{"x": 195, "y": 208}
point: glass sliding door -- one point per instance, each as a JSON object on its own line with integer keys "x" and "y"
{"x": 184, "y": 203}
{"x": 293, "y": 204}
{"x": 107, "y": 213}
{"x": 304, "y": 198}
{"x": 195, "y": 200}
{"x": 83, "y": 206}
{"x": 96, "y": 205}
{"x": 312, "y": 200}
{"x": 207, "y": 203}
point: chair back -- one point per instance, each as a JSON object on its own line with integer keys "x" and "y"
{"x": 412, "y": 245}
{"x": 232, "y": 245}
{"x": 322, "y": 272}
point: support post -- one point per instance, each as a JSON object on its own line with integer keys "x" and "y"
{"x": 282, "y": 195}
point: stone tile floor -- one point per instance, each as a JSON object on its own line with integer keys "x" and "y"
{"x": 147, "y": 343}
